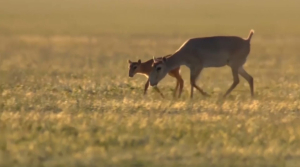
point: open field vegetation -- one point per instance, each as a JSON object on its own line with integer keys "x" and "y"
{"x": 66, "y": 98}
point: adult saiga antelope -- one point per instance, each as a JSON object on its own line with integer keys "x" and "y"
{"x": 199, "y": 53}
{"x": 146, "y": 67}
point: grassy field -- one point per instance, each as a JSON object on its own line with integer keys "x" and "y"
{"x": 66, "y": 98}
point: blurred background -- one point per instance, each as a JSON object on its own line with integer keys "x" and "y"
{"x": 134, "y": 17}
{"x": 66, "y": 98}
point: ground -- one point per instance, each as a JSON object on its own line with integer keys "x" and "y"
{"x": 66, "y": 98}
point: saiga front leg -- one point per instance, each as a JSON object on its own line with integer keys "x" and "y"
{"x": 146, "y": 87}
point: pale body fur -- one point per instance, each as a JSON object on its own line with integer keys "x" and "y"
{"x": 145, "y": 69}
{"x": 199, "y": 53}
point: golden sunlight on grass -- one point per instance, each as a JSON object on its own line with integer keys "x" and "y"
{"x": 66, "y": 98}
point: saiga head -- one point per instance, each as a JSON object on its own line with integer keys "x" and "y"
{"x": 134, "y": 67}
{"x": 159, "y": 71}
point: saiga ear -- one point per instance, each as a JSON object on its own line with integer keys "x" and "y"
{"x": 154, "y": 59}
{"x": 139, "y": 61}
{"x": 129, "y": 62}
{"x": 164, "y": 59}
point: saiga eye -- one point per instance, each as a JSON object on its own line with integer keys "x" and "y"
{"x": 158, "y": 68}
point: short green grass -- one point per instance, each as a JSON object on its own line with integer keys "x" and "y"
{"x": 66, "y": 98}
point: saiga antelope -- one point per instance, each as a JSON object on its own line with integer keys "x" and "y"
{"x": 199, "y": 53}
{"x": 146, "y": 67}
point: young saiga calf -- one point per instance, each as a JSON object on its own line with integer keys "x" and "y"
{"x": 199, "y": 53}
{"x": 145, "y": 68}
